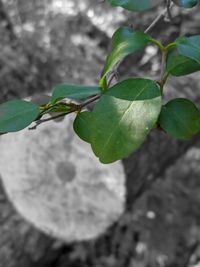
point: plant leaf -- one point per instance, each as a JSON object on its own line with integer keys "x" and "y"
{"x": 16, "y": 115}
{"x": 123, "y": 117}
{"x": 189, "y": 47}
{"x": 124, "y": 42}
{"x": 178, "y": 65}
{"x": 180, "y": 118}
{"x": 186, "y": 3}
{"x": 82, "y": 125}
{"x": 73, "y": 91}
{"x": 135, "y": 5}
{"x": 59, "y": 107}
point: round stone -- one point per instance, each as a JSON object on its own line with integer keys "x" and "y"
{"x": 56, "y": 183}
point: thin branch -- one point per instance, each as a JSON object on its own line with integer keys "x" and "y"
{"x": 112, "y": 76}
{"x": 156, "y": 20}
{"x": 163, "y": 65}
{"x": 37, "y": 123}
{"x": 76, "y": 108}
{"x": 89, "y": 101}
{"x": 162, "y": 15}
{"x": 169, "y": 5}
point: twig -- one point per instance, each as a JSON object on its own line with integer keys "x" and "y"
{"x": 37, "y": 123}
{"x": 163, "y": 64}
{"x": 169, "y": 5}
{"x": 76, "y": 108}
{"x": 156, "y": 20}
{"x": 89, "y": 101}
{"x": 112, "y": 76}
{"x": 152, "y": 25}
{"x": 160, "y": 16}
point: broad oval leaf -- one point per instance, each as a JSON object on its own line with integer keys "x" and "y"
{"x": 178, "y": 65}
{"x": 135, "y": 5}
{"x": 82, "y": 125}
{"x": 186, "y": 3}
{"x": 123, "y": 117}
{"x": 189, "y": 47}
{"x": 73, "y": 91}
{"x": 16, "y": 115}
{"x": 124, "y": 42}
{"x": 180, "y": 118}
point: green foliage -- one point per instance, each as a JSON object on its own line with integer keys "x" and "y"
{"x": 184, "y": 56}
{"x": 186, "y": 3}
{"x": 124, "y": 114}
{"x": 178, "y": 65}
{"x": 135, "y": 5}
{"x": 73, "y": 91}
{"x": 180, "y": 118}
{"x": 124, "y": 42}
{"x": 122, "y": 118}
{"x": 82, "y": 125}
{"x": 57, "y": 108}
{"x": 16, "y": 115}
{"x": 189, "y": 47}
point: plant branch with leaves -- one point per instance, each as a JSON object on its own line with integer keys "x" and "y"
{"x": 124, "y": 113}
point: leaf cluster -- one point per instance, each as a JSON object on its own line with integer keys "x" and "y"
{"x": 124, "y": 114}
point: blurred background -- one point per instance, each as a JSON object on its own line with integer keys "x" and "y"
{"x": 45, "y": 42}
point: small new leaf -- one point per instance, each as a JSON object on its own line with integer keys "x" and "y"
{"x": 16, "y": 115}
{"x": 59, "y": 107}
{"x": 124, "y": 42}
{"x": 135, "y": 5}
{"x": 123, "y": 117}
{"x": 180, "y": 118}
{"x": 73, "y": 92}
{"x": 82, "y": 125}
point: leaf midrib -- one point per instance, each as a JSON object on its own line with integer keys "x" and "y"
{"x": 117, "y": 125}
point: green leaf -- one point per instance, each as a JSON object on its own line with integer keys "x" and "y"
{"x": 178, "y": 65}
{"x": 123, "y": 117}
{"x": 186, "y": 3}
{"x": 16, "y": 115}
{"x": 73, "y": 92}
{"x": 189, "y": 47}
{"x": 124, "y": 42}
{"x": 59, "y": 107}
{"x": 180, "y": 118}
{"x": 135, "y": 5}
{"x": 82, "y": 125}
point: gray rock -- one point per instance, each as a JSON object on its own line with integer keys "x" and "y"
{"x": 56, "y": 183}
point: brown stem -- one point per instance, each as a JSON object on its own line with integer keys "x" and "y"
{"x": 89, "y": 101}
{"x": 156, "y": 20}
{"x": 160, "y": 16}
{"x": 163, "y": 77}
{"x": 163, "y": 65}
{"x": 163, "y": 74}
{"x": 49, "y": 119}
